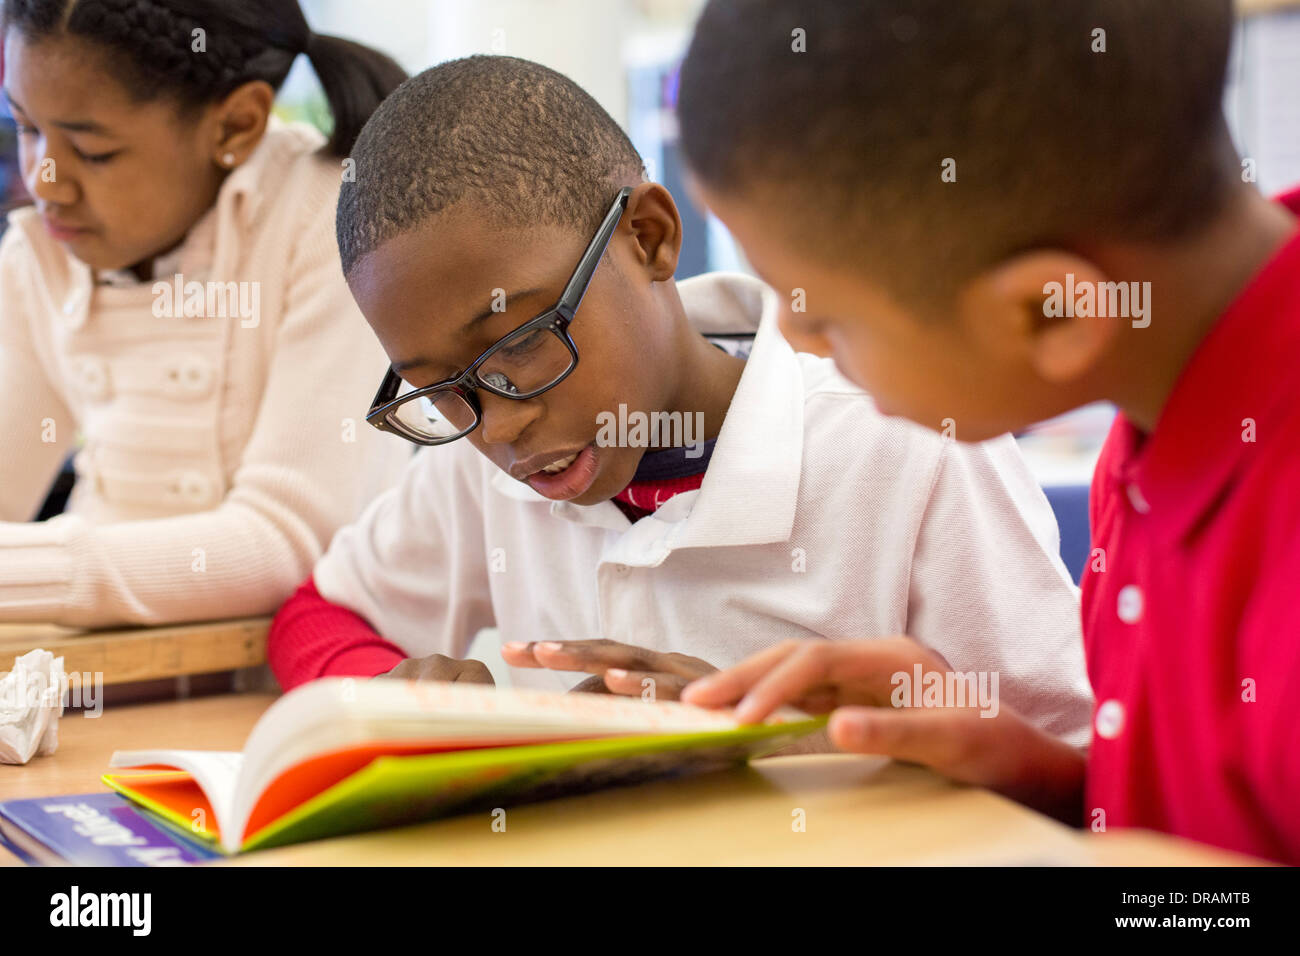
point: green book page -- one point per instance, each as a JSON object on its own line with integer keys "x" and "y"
{"x": 396, "y": 790}
{"x": 159, "y": 812}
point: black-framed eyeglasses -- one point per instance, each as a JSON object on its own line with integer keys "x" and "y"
{"x": 523, "y": 364}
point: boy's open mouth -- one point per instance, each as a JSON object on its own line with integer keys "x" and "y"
{"x": 567, "y": 477}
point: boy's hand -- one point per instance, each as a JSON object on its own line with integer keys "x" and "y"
{"x": 440, "y": 667}
{"x": 618, "y": 668}
{"x": 816, "y": 676}
{"x": 855, "y": 679}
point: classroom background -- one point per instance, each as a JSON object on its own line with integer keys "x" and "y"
{"x": 626, "y": 54}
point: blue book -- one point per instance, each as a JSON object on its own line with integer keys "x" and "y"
{"x": 94, "y": 829}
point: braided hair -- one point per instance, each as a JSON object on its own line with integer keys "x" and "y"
{"x": 198, "y": 51}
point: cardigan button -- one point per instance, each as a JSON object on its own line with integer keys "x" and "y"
{"x": 193, "y": 488}
{"x": 190, "y": 376}
{"x": 92, "y": 374}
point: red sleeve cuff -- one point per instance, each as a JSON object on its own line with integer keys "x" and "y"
{"x": 368, "y": 660}
{"x": 311, "y": 637}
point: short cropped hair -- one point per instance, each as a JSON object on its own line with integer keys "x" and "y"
{"x": 1060, "y": 121}
{"x": 526, "y": 144}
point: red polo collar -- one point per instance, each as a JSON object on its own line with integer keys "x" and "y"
{"x": 1246, "y": 369}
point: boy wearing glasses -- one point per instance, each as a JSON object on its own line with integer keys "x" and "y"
{"x": 518, "y": 270}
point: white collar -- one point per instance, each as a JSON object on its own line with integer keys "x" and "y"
{"x": 759, "y": 451}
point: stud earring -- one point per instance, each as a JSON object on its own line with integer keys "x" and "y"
{"x": 228, "y": 159}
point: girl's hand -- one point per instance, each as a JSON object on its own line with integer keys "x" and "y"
{"x": 618, "y": 668}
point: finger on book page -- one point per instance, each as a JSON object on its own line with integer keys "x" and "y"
{"x": 595, "y": 657}
{"x": 649, "y": 685}
{"x": 730, "y": 685}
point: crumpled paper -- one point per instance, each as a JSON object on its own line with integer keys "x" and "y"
{"x": 31, "y": 703}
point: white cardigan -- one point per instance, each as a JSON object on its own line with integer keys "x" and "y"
{"x": 217, "y": 456}
{"x": 818, "y": 518}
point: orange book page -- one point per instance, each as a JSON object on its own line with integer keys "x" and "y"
{"x": 178, "y": 793}
{"x": 305, "y": 780}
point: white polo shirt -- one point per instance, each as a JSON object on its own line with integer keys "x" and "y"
{"x": 818, "y": 518}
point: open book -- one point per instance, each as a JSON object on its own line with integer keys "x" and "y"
{"x": 340, "y": 755}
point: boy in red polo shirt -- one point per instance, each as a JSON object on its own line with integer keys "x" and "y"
{"x": 996, "y": 212}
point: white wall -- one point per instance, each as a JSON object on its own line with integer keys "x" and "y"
{"x": 582, "y": 39}
{"x": 1263, "y": 97}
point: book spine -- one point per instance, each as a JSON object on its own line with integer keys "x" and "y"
{"x": 18, "y": 852}
{"x": 101, "y": 829}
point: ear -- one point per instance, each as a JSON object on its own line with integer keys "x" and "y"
{"x": 240, "y": 122}
{"x": 657, "y": 228}
{"x": 1027, "y": 305}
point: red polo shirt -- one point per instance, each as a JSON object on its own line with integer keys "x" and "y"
{"x": 1193, "y": 628}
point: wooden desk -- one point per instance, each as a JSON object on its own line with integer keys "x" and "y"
{"x": 147, "y": 653}
{"x": 858, "y": 810}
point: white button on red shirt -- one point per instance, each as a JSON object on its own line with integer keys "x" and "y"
{"x": 1110, "y": 719}
{"x": 1129, "y": 604}
{"x": 1137, "y": 500}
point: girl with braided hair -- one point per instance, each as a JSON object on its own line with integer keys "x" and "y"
{"x": 172, "y": 308}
